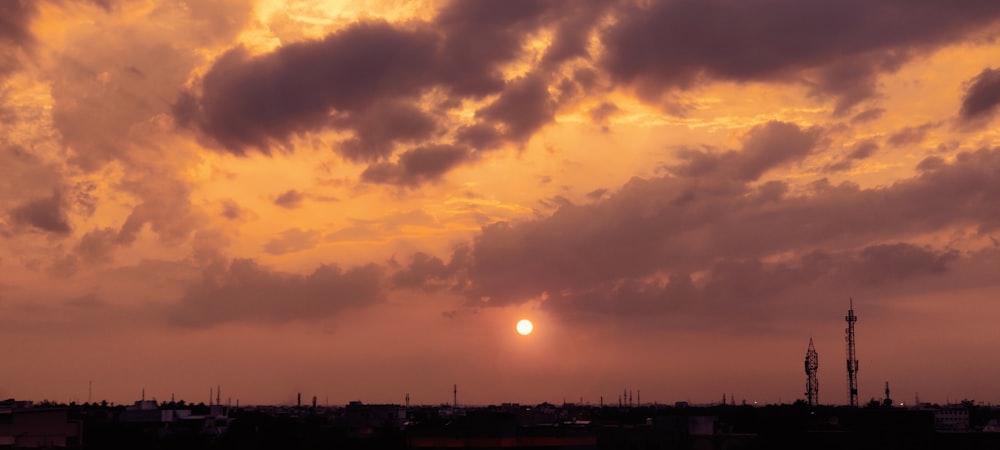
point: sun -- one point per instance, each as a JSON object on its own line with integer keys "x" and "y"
{"x": 524, "y": 327}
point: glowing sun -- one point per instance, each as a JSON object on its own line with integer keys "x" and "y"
{"x": 524, "y": 327}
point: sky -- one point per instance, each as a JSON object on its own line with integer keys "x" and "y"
{"x": 358, "y": 200}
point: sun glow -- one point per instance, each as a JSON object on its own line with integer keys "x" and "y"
{"x": 524, "y": 327}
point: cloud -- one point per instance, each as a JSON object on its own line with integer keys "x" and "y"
{"x": 232, "y": 210}
{"x": 982, "y": 95}
{"x": 15, "y": 31}
{"x": 111, "y": 90}
{"x": 46, "y": 214}
{"x": 521, "y": 110}
{"x": 891, "y": 262}
{"x": 764, "y": 147}
{"x": 15, "y": 18}
{"x": 165, "y": 206}
{"x": 292, "y": 240}
{"x": 27, "y": 176}
{"x": 97, "y": 245}
{"x": 910, "y": 135}
{"x": 291, "y": 199}
{"x": 661, "y": 46}
{"x": 735, "y": 290}
{"x": 385, "y": 227}
{"x": 381, "y": 126}
{"x": 424, "y": 271}
{"x": 479, "y": 36}
{"x": 372, "y": 79}
{"x": 256, "y": 102}
{"x": 704, "y": 238}
{"x": 601, "y": 114}
{"x": 597, "y": 194}
{"x": 246, "y": 291}
{"x": 868, "y": 115}
{"x": 417, "y": 165}
{"x": 862, "y": 150}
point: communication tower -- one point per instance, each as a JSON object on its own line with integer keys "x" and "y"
{"x": 812, "y": 382}
{"x": 852, "y": 358}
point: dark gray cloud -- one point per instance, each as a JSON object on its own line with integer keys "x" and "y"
{"x": 704, "y": 237}
{"x": 659, "y": 46}
{"x": 521, "y": 110}
{"x": 290, "y": 199}
{"x": 27, "y": 177}
{"x": 862, "y": 150}
{"x": 381, "y": 126}
{"x": 910, "y": 135}
{"x": 602, "y": 113}
{"x": 891, "y": 262}
{"x": 15, "y": 20}
{"x": 232, "y": 210}
{"x": 555, "y": 202}
{"x": 480, "y": 36}
{"x": 736, "y": 290}
{"x": 370, "y": 78}
{"x": 424, "y": 271}
{"x": 417, "y": 165}
{"x": 597, "y": 194}
{"x": 165, "y": 207}
{"x": 246, "y": 291}
{"x": 97, "y": 245}
{"x": 15, "y": 31}
{"x": 257, "y": 102}
{"x": 46, "y": 214}
{"x": 868, "y": 115}
{"x": 764, "y": 147}
{"x": 982, "y": 95}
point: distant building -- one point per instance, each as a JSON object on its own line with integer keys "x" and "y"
{"x": 147, "y": 412}
{"x": 951, "y": 418}
{"x": 27, "y": 427}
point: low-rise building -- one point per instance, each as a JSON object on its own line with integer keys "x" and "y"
{"x": 30, "y": 427}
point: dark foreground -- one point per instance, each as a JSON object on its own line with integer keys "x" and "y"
{"x": 148, "y": 425}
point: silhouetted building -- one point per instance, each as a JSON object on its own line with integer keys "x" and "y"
{"x": 150, "y": 416}
{"x": 37, "y": 427}
{"x": 951, "y": 418}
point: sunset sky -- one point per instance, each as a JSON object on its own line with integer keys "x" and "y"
{"x": 359, "y": 200}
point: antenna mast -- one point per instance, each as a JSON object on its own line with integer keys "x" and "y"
{"x": 812, "y": 381}
{"x": 852, "y": 358}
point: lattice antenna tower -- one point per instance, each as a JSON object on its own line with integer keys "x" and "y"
{"x": 852, "y": 358}
{"x": 812, "y": 382}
